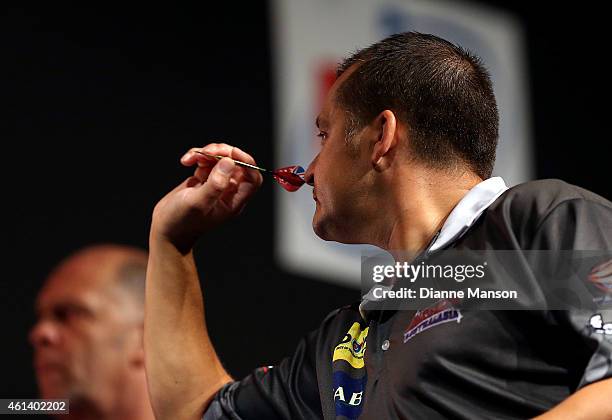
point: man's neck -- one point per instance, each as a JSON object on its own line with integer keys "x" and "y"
{"x": 419, "y": 208}
{"x": 133, "y": 404}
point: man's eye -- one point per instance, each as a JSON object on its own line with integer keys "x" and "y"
{"x": 67, "y": 313}
{"x": 62, "y": 314}
{"x": 322, "y": 135}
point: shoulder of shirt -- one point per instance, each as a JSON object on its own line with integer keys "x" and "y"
{"x": 350, "y": 310}
{"x": 542, "y": 196}
{"x": 520, "y": 211}
{"x": 352, "y": 307}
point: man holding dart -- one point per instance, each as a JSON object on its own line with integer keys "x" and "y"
{"x": 408, "y": 137}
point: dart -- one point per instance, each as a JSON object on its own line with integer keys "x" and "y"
{"x": 291, "y": 178}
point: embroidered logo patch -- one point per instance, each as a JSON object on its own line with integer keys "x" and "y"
{"x": 348, "y": 395}
{"x": 352, "y": 347}
{"x": 437, "y": 314}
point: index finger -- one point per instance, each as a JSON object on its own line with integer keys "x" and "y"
{"x": 223, "y": 149}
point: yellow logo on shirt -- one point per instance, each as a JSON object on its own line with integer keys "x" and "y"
{"x": 352, "y": 347}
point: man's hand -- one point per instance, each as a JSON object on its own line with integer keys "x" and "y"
{"x": 183, "y": 369}
{"x": 217, "y": 191}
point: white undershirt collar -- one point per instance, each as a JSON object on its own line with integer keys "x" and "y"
{"x": 469, "y": 208}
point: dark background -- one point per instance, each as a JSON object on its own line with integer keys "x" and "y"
{"x": 99, "y": 103}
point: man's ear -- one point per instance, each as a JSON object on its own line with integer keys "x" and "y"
{"x": 386, "y": 125}
{"x": 136, "y": 346}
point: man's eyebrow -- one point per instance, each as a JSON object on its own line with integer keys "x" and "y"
{"x": 63, "y": 305}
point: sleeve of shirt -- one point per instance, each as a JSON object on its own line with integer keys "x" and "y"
{"x": 288, "y": 390}
{"x": 583, "y": 225}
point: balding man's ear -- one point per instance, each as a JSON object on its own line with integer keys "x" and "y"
{"x": 386, "y": 126}
{"x": 136, "y": 347}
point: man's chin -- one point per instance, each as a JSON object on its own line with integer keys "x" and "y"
{"x": 318, "y": 230}
{"x": 327, "y": 230}
{"x": 53, "y": 388}
{"x": 319, "y": 227}
{"x": 53, "y": 392}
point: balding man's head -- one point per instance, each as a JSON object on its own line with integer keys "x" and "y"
{"x": 88, "y": 338}
{"x": 116, "y": 271}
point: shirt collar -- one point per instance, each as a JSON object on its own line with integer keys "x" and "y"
{"x": 469, "y": 208}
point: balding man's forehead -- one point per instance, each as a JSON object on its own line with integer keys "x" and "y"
{"x": 102, "y": 301}
{"x": 79, "y": 283}
{"x": 98, "y": 276}
{"x": 61, "y": 291}
{"x": 102, "y": 258}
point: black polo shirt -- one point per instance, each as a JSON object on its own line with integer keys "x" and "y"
{"x": 443, "y": 362}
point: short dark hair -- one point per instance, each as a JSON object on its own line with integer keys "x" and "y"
{"x": 442, "y": 91}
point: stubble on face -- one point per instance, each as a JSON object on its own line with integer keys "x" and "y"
{"x": 340, "y": 180}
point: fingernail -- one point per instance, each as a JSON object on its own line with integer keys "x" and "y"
{"x": 226, "y": 166}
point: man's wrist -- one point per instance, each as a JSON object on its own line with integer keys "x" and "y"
{"x": 159, "y": 241}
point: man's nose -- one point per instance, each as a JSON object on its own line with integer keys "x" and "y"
{"x": 43, "y": 333}
{"x": 309, "y": 175}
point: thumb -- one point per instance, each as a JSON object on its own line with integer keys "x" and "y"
{"x": 217, "y": 182}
